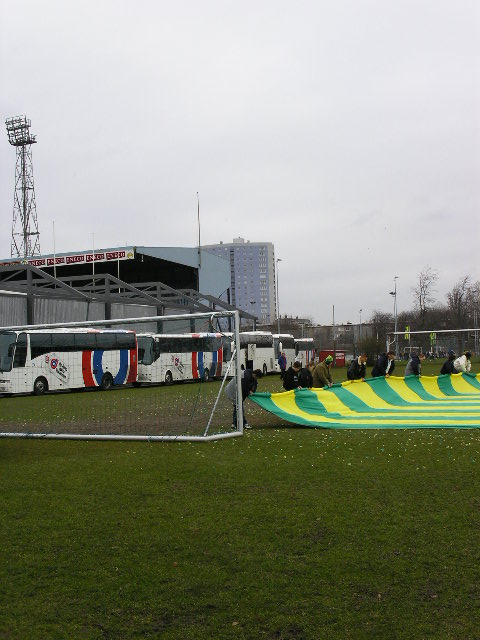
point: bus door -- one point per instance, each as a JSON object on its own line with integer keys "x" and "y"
{"x": 20, "y": 371}
{"x": 251, "y": 353}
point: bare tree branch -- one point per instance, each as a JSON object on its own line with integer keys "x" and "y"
{"x": 423, "y": 292}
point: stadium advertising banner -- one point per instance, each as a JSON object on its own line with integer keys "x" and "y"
{"x": 77, "y": 258}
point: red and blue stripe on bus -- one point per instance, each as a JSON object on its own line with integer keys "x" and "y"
{"x": 92, "y": 367}
{"x": 198, "y": 367}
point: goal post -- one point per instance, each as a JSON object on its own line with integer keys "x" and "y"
{"x": 149, "y": 378}
{"x": 437, "y": 342}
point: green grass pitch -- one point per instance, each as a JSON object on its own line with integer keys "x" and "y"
{"x": 286, "y": 533}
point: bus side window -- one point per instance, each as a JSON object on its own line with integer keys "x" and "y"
{"x": 40, "y": 343}
{"x": 107, "y": 341}
{"x": 20, "y": 351}
{"x": 64, "y": 342}
{"x": 85, "y": 341}
{"x": 125, "y": 341}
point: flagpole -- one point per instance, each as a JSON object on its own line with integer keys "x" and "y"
{"x": 54, "y": 253}
{"x": 198, "y": 219}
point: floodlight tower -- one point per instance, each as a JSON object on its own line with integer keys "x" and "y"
{"x": 25, "y": 236}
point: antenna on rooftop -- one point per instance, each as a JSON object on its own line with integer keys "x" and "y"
{"x": 25, "y": 235}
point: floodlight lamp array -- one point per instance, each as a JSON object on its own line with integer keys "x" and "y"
{"x": 18, "y": 130}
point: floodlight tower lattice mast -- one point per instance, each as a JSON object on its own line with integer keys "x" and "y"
{"x": 25, "y": 235}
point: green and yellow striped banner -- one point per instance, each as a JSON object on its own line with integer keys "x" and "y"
{"x": 382, "y": 403}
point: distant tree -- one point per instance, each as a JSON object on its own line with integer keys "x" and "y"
{"x": 406, "y": 318}
{"x": 457, "y": 300}
{"x": 372, "y": 347}
{"x": 382, "y": 323}
{"x": 474, "y": 303}
{"x": 463, "y": 302}
{"x": 438, "y": 317}
{"x": 423, "y": 292}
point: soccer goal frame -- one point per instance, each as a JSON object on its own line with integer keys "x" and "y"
{"x": 467, "y": 339}
{"x": 217, "y": 321}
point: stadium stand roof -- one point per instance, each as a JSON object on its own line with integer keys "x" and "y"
{"x": 80, "y": 278}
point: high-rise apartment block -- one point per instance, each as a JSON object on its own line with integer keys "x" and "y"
{"x": 252, "y": 275}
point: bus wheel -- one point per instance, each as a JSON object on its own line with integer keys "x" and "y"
{"x": 264, "y": 369}
{"x": 168, "y": 378}
{"x": 107, "y": 382}
{"x": 40, "y": 386}
{"x": 206, "y": 375}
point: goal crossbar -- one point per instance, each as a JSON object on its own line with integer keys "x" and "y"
{"x": 397, "y": 334}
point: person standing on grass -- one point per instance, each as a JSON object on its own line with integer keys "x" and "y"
{"x": 249, "y": 385}
{"x": 384, "y": 366}
{"x": 290, "y": 378}
{"x": 282, "y": 363}
{"x": 448, "y": 367}
{"x": 414, "y": 365}
{"x": 305, "y": 378}
{"x": 357, "y": 369}
{"x": 463, "y": 364}
{"x": 297, "y": 377}
{"x": 321, "y": 374}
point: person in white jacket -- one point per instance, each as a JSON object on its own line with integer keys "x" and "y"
{"x": 463, "y": 364}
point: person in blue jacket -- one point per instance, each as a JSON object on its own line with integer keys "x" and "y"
{"x": 282, "y": 363}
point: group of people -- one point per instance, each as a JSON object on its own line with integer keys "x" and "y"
{"x": 456, "y": 365}
{"x": 453, "y": 364}
{"x": 312, "y": 375}
{"x": 319, "y": 375}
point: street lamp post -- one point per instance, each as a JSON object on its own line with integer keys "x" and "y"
{"x": 360, "y": 328}
{"x": 394, "y": 294}
{"x": 278, "y": 305}
{"x": 252, "y": 303}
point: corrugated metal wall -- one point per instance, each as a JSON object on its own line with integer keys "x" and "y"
{"x": 54, "y": 310}
{"x": 13, "y": 310}
{"x": 135, "y": 311}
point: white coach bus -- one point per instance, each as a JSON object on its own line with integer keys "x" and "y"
{"x": 171, "y": 358}
{"x": 304, "y": 350}
{"x": 43, "y": 360}
{"x": 284, "y": 343}
{"x": 256, "y": 351}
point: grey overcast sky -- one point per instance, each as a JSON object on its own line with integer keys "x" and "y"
{"x": 345, "y": 132}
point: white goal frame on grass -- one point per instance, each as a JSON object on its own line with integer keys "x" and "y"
{"x": 233, "y": 369}
{"x": 397, "y": 334}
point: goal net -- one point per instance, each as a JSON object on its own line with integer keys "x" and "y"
{"x": 157, "y": 378}
{"x": 435, "y": 343}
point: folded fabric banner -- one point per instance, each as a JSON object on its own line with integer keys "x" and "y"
{"x": 382, "y": 403}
